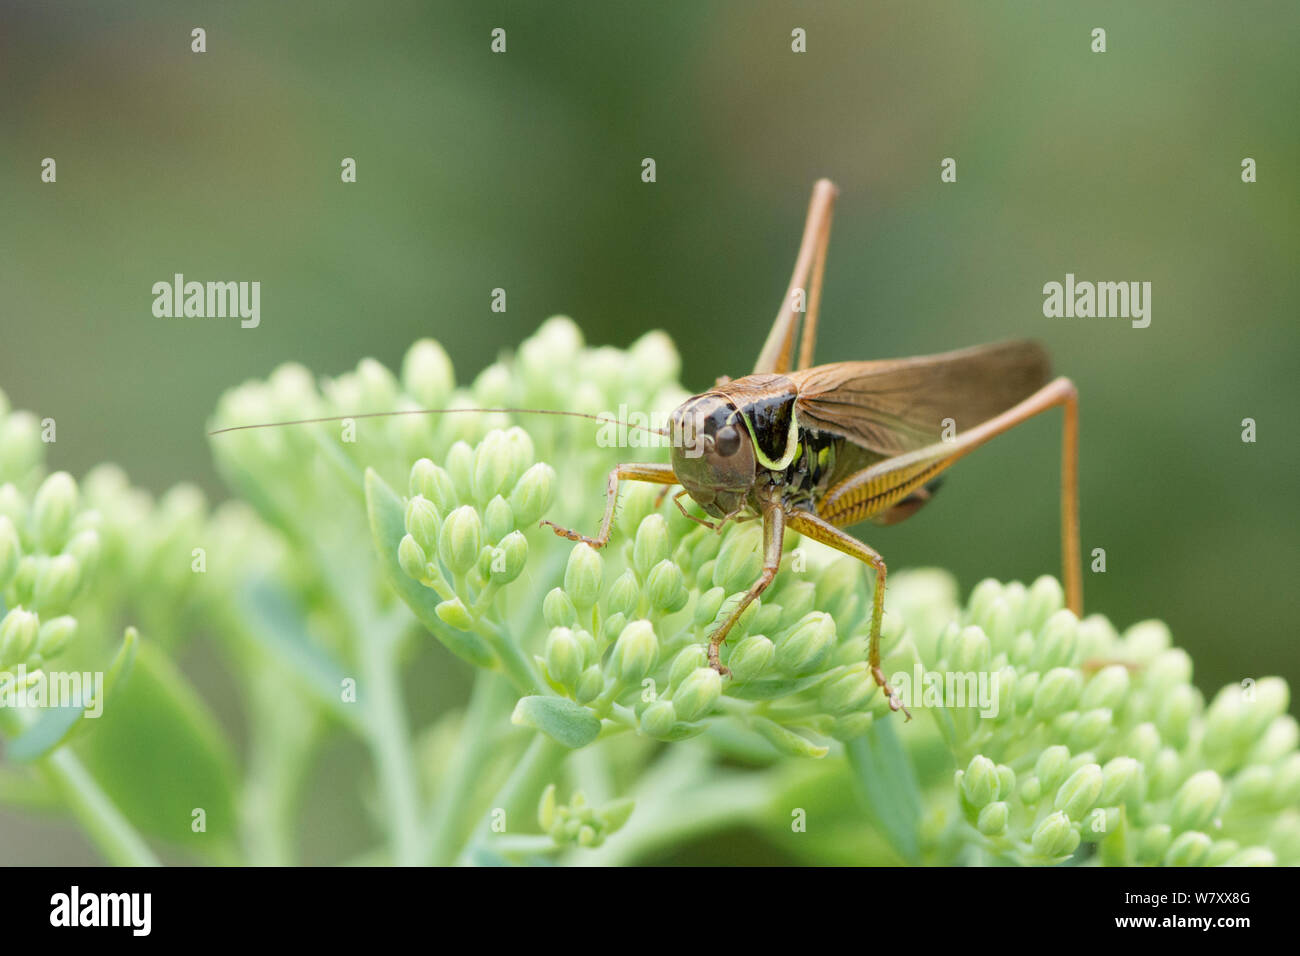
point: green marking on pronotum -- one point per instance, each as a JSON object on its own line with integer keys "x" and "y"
{"x": 791, "y": 443}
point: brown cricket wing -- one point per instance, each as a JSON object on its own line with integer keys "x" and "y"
{"x": 898, "y": 405}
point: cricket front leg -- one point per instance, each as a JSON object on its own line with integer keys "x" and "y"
{"x": 815, "y": 527}
{"x": 773, "y": 538}
{"x": 632, "y": 471}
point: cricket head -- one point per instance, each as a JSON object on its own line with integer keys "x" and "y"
{"x": 712, "y": 453}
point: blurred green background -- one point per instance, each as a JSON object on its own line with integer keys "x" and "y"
{"x": 522, "y": 171}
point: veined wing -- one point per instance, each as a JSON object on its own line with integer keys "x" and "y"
{"x": 899, "y": 405}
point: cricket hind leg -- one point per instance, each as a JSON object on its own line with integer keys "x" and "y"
{"x": 778, "y": 350}
{"x": 870, "y": 493}
{"x": 632, "y": 471}
{"x": 807, "y": 523}
{"x": 773, "y": 538}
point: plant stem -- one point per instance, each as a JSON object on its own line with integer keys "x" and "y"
{"x": 388, "y": 736}
{"x": 519, "y": 794}
{"x": 488, "y": 700}
{"x": 120, "y": 843}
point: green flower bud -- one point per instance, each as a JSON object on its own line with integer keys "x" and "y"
{"x": 18, "y": 633}
{"x": 85, "y": 547}
{"x": 697, "y": 693}
{"x": 740, "y": 559}
{"x": 797, "y": 599}
{"x": 849, "y": 691}
{"x": 1286, "y": 782}
{"x": 412, "y": 558}
{"x": 1080, "y": 792}
{"x": 460, "y": 467}
{"x": 1154, "y": 842}
{"x": 427, "y": 374}
{"x": 979, "y": 782}
{"x": 492, "y": 466}
{"x": 768, "y": 619}
{"x": 1278, "y": 740}
{"x": 1121, "y": 782}
{"x": 1055, "y": 836}
{"x": 635, "y": 652}
{"x": 1107, "y": 688}
{"x": 1221, "y": 852}
{"x": 1057, "y": 692}
{"x": 1146, "y": 639}
{"x": 590, "y": 685}
{"x": 1169, "y": 669}
{"x": 1197, "y": 801}
{"x": 558, "y": 610}
{"x": 10, "y": 550}
{"x": 1006, "y": 782}
{"x": 970, "y": 651}
{"x": 532, "y": 493}
{"x": 461, "y": 539}
{"x": 1271, "y": 698}
{"x": 1052, "y": 766}
{"x": 1254, "y": 856}
{"x": 54, "y": 636}
{"x": 624, "y": 594}
{"x": 651, "y": 545}
{"x": 666, "y": 587}
{"x": 1090, "y": 728}
{"x": 1144, "y": 742}
{"x": 751, "y": 657}
{"x": 1056, "y": 645}
{"x": 658, "y": 719}
{"x": 52, "y": 510}
{"x": 564, "y": 657}
{"x": 434, "y": 484}
{"x": 1045, "y": 598}
{"x": 993, "y": 819}
{"x": 1031, "y": 791}
{"x": 1164, "y": 773}
{"x": 546, "y": 809}
{"x": 1188, "y": 849}
{"x": 455, "y": 614}
{"x": 1174, "y": 715}
{"x": 582, "y": 575}
{"x": 56, "y": 582}
{"x": 422, "y": 521}
{"x": 852, "y": 726}
{"x": 685, "y": 664}
{"x": 612, "y": 626}
{"x": 498, "y": 519}
{"x": 510, "y": 557}
{"x": 707, "y": 606}
{"x": 804, "y": 649}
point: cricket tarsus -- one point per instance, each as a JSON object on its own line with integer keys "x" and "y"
{"x": 818, "y": 449}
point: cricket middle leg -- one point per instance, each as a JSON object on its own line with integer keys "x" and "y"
{"x": 773, "y": 538}
{"x": 632, "y": 471}
{"x": 807, "y": 523}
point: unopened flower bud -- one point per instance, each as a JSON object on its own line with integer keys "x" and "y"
{"x": 461, "y": 539}
{"x": 582, "y": 575}
{"x": 532, "y": 493}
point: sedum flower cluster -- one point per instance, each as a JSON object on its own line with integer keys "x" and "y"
{"x": 556, "y": 668}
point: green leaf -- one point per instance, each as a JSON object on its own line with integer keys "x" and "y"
{"x": 786, "y": 740}
{"x": 55, "y": 725}
{"x": 773, "y": 688}
{"x": 276, "y": 623}
{"x": 888, "y": 788}
{"x": 561, "y": 719}
{"x": 159, "y": 755}
{"x": 387, "y": 528}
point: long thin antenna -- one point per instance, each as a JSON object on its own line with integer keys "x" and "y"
{"x": 443, "y": 411}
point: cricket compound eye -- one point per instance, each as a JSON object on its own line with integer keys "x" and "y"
{"x": 727, "y": 440}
